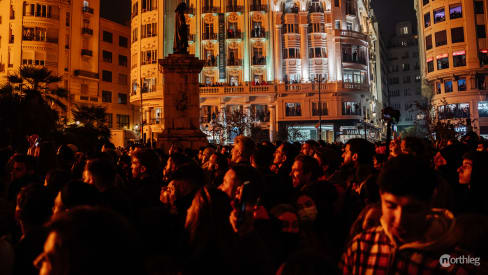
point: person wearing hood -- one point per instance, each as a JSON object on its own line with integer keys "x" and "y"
{"x": 411, "y": 237}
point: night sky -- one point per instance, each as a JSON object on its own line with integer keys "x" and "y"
{"x": 388, "y": 12}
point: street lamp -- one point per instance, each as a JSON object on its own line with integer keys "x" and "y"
{"x": 320, "y": 107}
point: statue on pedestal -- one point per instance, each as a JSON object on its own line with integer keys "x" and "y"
{"x": 180, "y": 44}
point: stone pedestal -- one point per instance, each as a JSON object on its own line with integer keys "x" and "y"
{"x": 181, "y": 102}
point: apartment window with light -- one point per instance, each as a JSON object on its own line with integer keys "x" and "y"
{"x": 440, "y": 38}
{"x": 443, "y": 62}
{"x": 107, "y": 96}
{"x": 461, "y": 84}
{"x": 428, "y": 42}
{"x": 406, "y": 67}
{"x": 438, "y": 89}
{"x": 439, "y": 15}
{"x": 107, "y": 76}
{"x": 122, "y": 98}
{"x": 107, "y": 36}
{"x": 459, "y": 58}
{"x": 455, "y": 11}
{"x": 457, "y": 35}
{"x": 448, "y": 86}
{"x": 427, "y": 20}
{"x": 293, "y": 109}
{"x": 337, "y": 24}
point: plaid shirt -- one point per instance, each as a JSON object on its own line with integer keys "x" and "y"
{"x": 372, "y": 252}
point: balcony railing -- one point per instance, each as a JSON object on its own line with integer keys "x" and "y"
{"x": 86, "y": 52}
{"x": 210, "y": 9}
{"x": 235, "y": 62}
{"x": 209, "y": 36}
{"x": 87, "y": 10}
{"x": 87, "y": 31}
{"x": 258, "y": 33}
{"x": 40, "y": 38}
{"x": 352, "y": 34}
{"x": 86, "y": 74}
{"x": 259, "y": 8}
{"x": 211, "y": 62}
{"x": 234, "y": 8}
{"x": 355, "y": 86}
{"x": 234, "y": 35}
{"x": 353, "y": 59}
{"x": 38, "y": 15}
{"x": 259, "y": 60}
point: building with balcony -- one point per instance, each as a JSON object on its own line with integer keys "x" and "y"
{"x": 267, "y": 57}
{"x": 67, "y": 37}
{"x": 454, "y": 53}
{"x": 404, "y": 89}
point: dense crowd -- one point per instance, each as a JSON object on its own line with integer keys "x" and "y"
{"x": 250, "y": 208}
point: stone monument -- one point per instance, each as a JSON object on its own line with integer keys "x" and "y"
{"x": 181, "y": 94}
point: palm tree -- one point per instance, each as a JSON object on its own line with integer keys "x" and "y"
{"x": 39, "y": 84}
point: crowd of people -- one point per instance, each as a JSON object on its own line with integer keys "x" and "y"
{"x": 250, "y": 208}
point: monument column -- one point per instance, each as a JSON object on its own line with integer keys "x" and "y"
{"x": 272, "y": 122}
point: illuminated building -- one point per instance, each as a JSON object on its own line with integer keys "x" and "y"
{"x": 67, "y": 37}
{"x": 454, "y": 54}
{"x": 265, "y": 58}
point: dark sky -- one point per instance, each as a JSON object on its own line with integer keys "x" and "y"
{"x": 116, "y": 10}
{"x": 388, "y": 12}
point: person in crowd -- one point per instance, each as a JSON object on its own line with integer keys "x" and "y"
{"x": 409, "y": 237}
{"x": 90, "y": 240}
{"x": 329, "y": 161}
{"x": 472, "y": 188}
{"x": 55, "y": 180}
{"x": 242, "y": 150}
{"x": 217, "y": 167}
{"x": 76, "y": 193}
{"x": 146, "y": 175}
{"x": 34, "y": 208}
{"x": 309, "y": 147}
{"x": 22, "y": 173}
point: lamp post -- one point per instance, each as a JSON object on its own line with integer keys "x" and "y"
{"x": 320, "y": 108}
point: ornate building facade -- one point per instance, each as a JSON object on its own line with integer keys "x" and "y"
{"x": 72, "y": 41}
{"x": 288, "y": 64}
{"x": 454, "y": 54}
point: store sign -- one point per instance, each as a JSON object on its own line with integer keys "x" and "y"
{"x": 484, "y": 51}
{"x": 352, "y": 132}
{"x": 430, "y": 59}
{"x": 222, "y": 56}
{"x": 442, "y": 56}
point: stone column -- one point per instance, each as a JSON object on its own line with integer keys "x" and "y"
{"x": 272, "y": 122}
{"x": 247, "y": 113}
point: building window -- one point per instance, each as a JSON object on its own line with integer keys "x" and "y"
{"x": 448, "y": 86}
{"x": 122, "y": 121}
{"x": 455, "y": 11}
{"x": 107, "y": 96}
{"x": 480, "y": 31}
{"x": 461, "y": 84}
{"x": 406, "y": 67}
{"x": 338, "y": 24}
{"x": 484, "y": 57}
{"x": 439, "y": 15}
{"x": 316, "y": 111}
{"x": 427, "y": 20}
{"x": 107, "y": 36}
{"x": 483, "y": 108}
{"x": 404, "y": 30}
{"x": 107, "y": 76}
{"x": 149, "y": 5}
{"x": 406, "y": 79}
{"x": 291, "y": 53}
{"x": 351, "y": 109}
{"x": 107, "y": 56}
{"x": 425, "y": 2}
{"x": 109, "y": 120}
{"x": 149, "y": 30}
{"x": 148, "y": 85}
{"x": 122, "y": 98}
{"x": 317, "y": 53}
{"x": 478, "y": 7}
{"x": 123, "y": 41}
{"x": 68, "y": 19}
{"x": 430, "y": 66}
{"x": 442, "y": 62}
{"x": 134, "y": 35}
{"x": 450, "y": 111}
{"x": 293, "y": 109}
{"x": 440, "y": 38}
{"x": 438, "y": 88}
{"x": 122, "y": 60}
{"x": 149, "y": 57}
{"x": 428, "y": 42}
{"x": 354, "y": 76}
{"x": 457, "y": 35}
{"x": 459, "y": 58}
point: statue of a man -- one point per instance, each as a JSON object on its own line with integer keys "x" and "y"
{"x": 180, "y": 44}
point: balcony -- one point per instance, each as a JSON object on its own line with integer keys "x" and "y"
{"x": 88, "y": 74}
{"x": 259, "y": 8}
{"x": 87, "y": 31}
{"x": 234, "y": 34}
{"x": 85, "y": 52}
{"x": 352, "y": 34}
{"x": 39, "y": 16}
{"x": 209, "y": 36}
{"x": 210, "y": 9}
{"x": 315, "y": 8}
{"x": 259, "y": 60}
{"x": 353, "y": 59}
{"x": 87, "y": 10}
{"x": 39, "y": 38}
{"x": 258, "y": 33}
{"x": 234, "y": 9}
{"x": 235, "y": 62}
{"x": 211, "y": 62}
